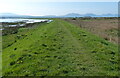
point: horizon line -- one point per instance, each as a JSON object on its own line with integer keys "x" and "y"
{"x": 58, "y": 15}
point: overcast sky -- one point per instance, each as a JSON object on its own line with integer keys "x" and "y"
{"x": 58, "y": 7}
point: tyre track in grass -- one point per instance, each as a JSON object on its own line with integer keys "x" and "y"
{"x": 98, "y": 62}
{"x": 82, "y": 58}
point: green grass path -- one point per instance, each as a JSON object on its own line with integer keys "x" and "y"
{"x": 58, "y": 49}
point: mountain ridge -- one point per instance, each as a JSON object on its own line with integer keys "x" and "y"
{"x": 54, "y": 16}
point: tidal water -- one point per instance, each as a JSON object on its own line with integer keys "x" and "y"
{"x": 23, "y": 20}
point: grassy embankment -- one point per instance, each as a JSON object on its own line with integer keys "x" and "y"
{"x": 0, "y": 64}
{"x": 58, "y": 48}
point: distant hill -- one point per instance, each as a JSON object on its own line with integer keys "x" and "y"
{"x": 5, "y": 15}
{"x": 13, "y": 15}
{"x": 72, "y": 15}
{"x": 8, "y": 14}
{"x": 109, "y": 15}
{"x": 90, "y": 15}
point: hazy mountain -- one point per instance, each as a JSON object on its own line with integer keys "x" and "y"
{"x": 49, "y": 16}
{"x": 53, "y": 16}
{"x": 109, "y": 15}
{"x": 7, "y": 14}
{"x": 73, "y": 15}
{"x": 12, "y": 15}
{"x": 89, "y": 15}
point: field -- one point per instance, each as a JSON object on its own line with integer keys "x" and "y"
{"x": 59, "y": 48}
{"x": 106, "y": 28}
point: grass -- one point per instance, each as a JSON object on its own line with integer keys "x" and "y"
{"x": 58, "y": 49}
{"x": 0, "y": 53}
{"x": 106, "y": 28}
{"x": 113, "y": 32}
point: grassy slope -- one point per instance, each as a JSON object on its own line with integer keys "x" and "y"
{"x": 0, "y": 53}
{"x": 58, "y": 48}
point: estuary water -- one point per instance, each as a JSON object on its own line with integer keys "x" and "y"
{"x": 23, "y": 20}
{"x": 17, "y": 22}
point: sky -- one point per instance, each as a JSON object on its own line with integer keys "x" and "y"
{"x": 58, "y": 7}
